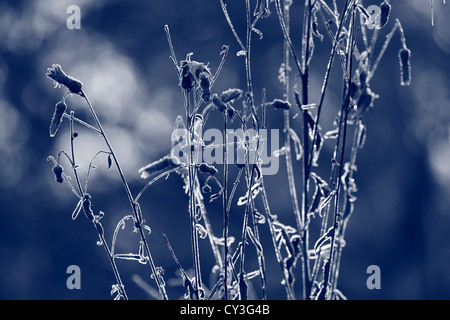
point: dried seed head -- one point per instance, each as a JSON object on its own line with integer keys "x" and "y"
{"x": 219, "y": 103}
{"x": 231, "y": 94}
{"x": 404, "y": 56}
{"x": 60, "y": 108}
{"x": 196, "y": 68}
{"x": 57, "y": 74}
{"x": 384, "y": 14}
{"x": 280, "y": 104}
{"x": 58, "y": 171}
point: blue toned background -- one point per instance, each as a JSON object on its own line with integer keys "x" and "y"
{"x": 402, "y": 217}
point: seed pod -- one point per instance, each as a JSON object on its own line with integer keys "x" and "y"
{"x": 404, "y": 56}
{"x": 60, "y": 108}
{"x": 58, "y": 171}
{"x": 187, "y": 81}
{"x": 87, "y": 207}
{"x": 231, "y": 112}
{"x": 219, "y": 103}
{"x": 231, "y": 94}
{"x": 384, "y": 15}
{"x": 205, "y": 85}
{"x": 204, "y": 80}
{"x": 73, "y": 85}
{"x": 280, "y": 104}
{"x": 206, "y": 168}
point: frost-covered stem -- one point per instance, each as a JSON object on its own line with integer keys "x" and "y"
{"x": 343, "y": 128}
{"x": 287, "y": 142}
{"x": 289, "y": 290}
{"x": 233, "y": 30}
{"x": 305, "y": 82}
{"x": 326, "y": 78}
{"x": 208, "y": 226}
{"x": 112, "y": 261}
{"x": 82, "y": 193}
{"x": 224, "y": 199}
{"x": 397, "y": 25}
{"x": 353, "y": 154}
{"x": 192, "y": 218}
{"x": 315, "y": 133}
{"x": 72, "y": 150}
{"x": 65, "y": 115}
{"x": 161, "y": 287}
{"x": 287, "y": 37}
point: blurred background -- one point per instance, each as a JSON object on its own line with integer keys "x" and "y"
{"x": 401, "y": 219}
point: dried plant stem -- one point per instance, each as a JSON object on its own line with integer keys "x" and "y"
{"x": 304, "y": 233}
{"x": 224, "y": 198}
{"x": 100, "y": 234}
{"x": 289, "y": 290}
{"x": 326, "y": 78}
{"x": 136, "y": 214}
{"x": 397, "y": 25}
{"x": 343, "y": 128}
{"x": 352, "y": 166}
{"x": 233, "y": 30}
{"x": 65, "y": 115}
{"x": 201, "y": 205}
{"x": 192, "y": 207}
{"x": 287, "y": 36}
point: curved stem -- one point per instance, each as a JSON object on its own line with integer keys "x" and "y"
{"x": 136, "y": 214}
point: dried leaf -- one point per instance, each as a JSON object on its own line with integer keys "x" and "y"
{"x": 147, "y": 228}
